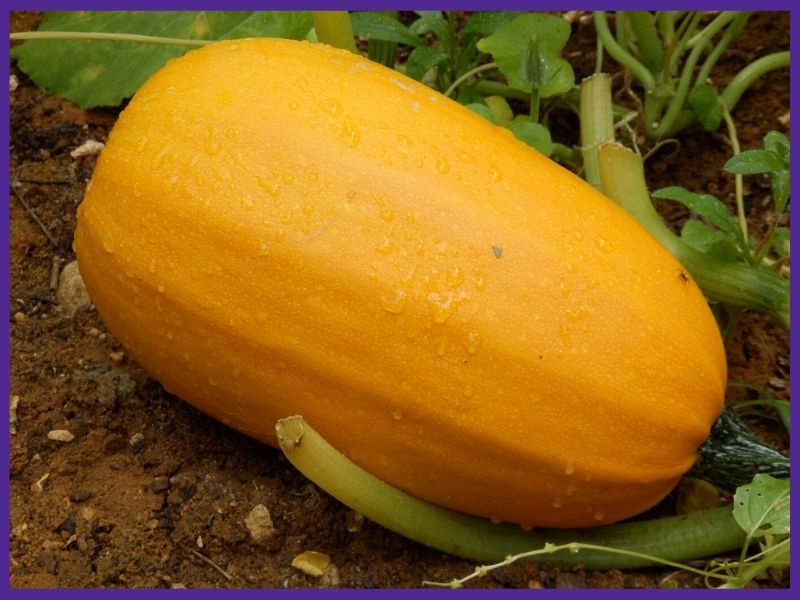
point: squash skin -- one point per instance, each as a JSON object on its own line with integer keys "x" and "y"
{"x": 279, "y": 227}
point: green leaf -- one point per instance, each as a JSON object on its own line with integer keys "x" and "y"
{"x": 99, "y": 73}
{"x": 778, "y": 144}
{"x": 499, "y": 107}
{"x": 422, "y": 59}
{"x": 508, "y": 46}
{"x": 378, "y": 26}
{"x": 482, "y": 110}
{"x": 704, "y": 102}
{"x": 431, "y": 21}
{"x": 535, "y": 135}
{"x": 751, "y": 162}
{"x": 762, "y": 507}
{"x": 486, "y": 23}
{"x": 712, "y": 242}
{"x": 708, "y": 207}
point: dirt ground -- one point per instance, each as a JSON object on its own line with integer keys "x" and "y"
{"x": 151, "y": 493}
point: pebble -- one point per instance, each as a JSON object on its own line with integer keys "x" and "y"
{"x": 354, "y": 521}
{"x": 259, "y": 524}
{"x": 20, "y": 316}
{"x": 137, "y": 441}
{"x": 116, "y": 356}
{"x": 88, "y": 514}
{"x": 60, "y": 435}
{"x": 776, "y": 383}
{"x": 37, "y": 487}
{"x": 68, "y": 525}
{"x": 311, "y": 562}
{"x": 71, "y": 293}
{"x": 13, "y": 82}
{"x": 87, "y": 148}
{"x": 160, "y": 484}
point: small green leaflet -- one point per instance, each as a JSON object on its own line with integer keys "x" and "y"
{"x": 772, "y": 159}
{"x": 422, "y": 59}
{"x": 486, "y": 23}
{"x": 535, "y": 135}
{"x": 509, "y": 44}
{"x": 100, "y": 73}
{"x": 705, "y": 105}
{"x": 708, "y": 207}
{"x": 709, "y": 241}
{"x": 762, "y": 507}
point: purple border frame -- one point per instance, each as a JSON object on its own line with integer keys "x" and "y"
{"x": 13, "y": 5}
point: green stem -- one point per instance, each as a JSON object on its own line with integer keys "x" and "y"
{"x": 488, "y": 87}
{"x": 622, "y": 177}
{"x": 333, "y": 27}
{"x": 471, "y": 73}
{"x": 666, "y": 26}
{"x": 738, "y": 183}
{"x": 650, "y": 50}
{"x": 622, "y": 56}
{"x": 658, "y": 129}
{"x": 678, "y": 539}
{"x": 736, "y": 27}
{"x": 106, "y": 37}
{"x": 745, "y": 78}
{"x": 686, "y": 29}
{"x": 732, "y": 454}
{"x": 597, "y": 122}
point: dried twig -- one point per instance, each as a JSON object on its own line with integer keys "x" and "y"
{"x": 35, "y": 217}
{"x": 211, "y": 563}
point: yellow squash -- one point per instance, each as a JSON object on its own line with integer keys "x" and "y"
{"x": 278, "y": 227}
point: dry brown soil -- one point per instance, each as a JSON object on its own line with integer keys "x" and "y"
{"x": 151, "y": 492}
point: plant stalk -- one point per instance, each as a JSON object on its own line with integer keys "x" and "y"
{"x": 622, "y": 178}
{"x": 678, "y": 539}
{"x": 334, "y": 28}
{"x": 597, "y": 122}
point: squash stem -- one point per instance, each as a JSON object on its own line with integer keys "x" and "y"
{"x": 732, "y": 454}
{"x": 737, "y": 284}
{"x": 676, "y": 539}
{"x": 334, "y": 28}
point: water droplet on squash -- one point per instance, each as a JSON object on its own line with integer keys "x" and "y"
{"x": 350, "y": 133}
{"x": 419, "y": 163}
{"x": 293, "y": 105}
{"x": 161, "y": 287}
{"x": 152, "y": 266}
{"x": 495, "y": 520}
{"x": 472, "y": 342}
{"x": 599, "y": 515}
{"x": 443, "y": 306}
{"x": 442, "y": 165}
{"x": 386, "y": 247}
{"x": 396, "y": 303}
{"x": 108, "y": 244}
{"x": 556, "y": 503}
{"x": 569, "y": 469}
{"x": 455, "y": 276}
{"x": 397, "y": 415}
{"x": 578, "y": 235}
{"x": 387, "y": 214}
{"x": 211, "y": 380}
{"x": 415, "y": 106}
{"x": 212, "y": 145}
{"x": 496, "y": 174}
{"x": 467, "y": 158}
{"x": 330, "y": 105}
{"x": 603, "y": 244}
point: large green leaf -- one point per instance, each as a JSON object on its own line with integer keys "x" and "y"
{"x": 510, "y": 43}
{"x": 103, "y": 73}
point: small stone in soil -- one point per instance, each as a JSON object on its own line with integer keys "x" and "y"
{"x": 60, "y": 435}
{"x": 137, "y": 441}
{"x": 259, "y": 524}
{"x": 67, "y": 525}
{"x": 311, "y": 562}
{"x": 160, "y": 484}
{"x": 72, "y": 294}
